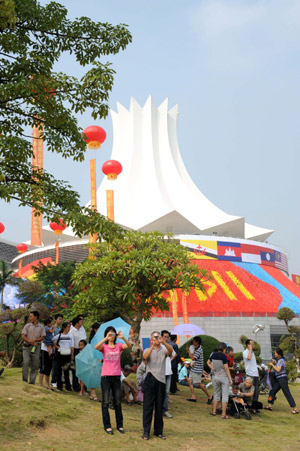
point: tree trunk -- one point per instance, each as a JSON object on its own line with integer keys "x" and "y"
{"x": 2, "y": 296}
{"x": 137, "y": 349}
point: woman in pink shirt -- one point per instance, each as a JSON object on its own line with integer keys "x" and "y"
{"x": 111, "y": 374}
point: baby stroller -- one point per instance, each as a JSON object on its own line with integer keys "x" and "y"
{"x": 236, "y": 408}
{"x": 267, "y": 382}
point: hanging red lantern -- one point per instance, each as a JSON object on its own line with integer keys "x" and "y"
{"x": 94, "y": 136}
{"x": 112, "y": 168}
{"x": 2, "y": 228}
{"x": 22, "y": 247}
{"x": 58, "y": 228}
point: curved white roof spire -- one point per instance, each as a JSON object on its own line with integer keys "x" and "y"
{"x": 155, "y": 191}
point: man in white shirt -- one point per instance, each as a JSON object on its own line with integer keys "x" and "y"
{"x": 79, "y": 333}
{"x": 251, "y": 367}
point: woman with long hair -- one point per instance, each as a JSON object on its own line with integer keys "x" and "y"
{"x": 94, "y": 329}
{"x": 281, "y": 382}
{"x": 111, "y": 376}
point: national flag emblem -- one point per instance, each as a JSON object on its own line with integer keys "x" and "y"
{"x": 267, "y": 258}
{"x": 229, "y": 251}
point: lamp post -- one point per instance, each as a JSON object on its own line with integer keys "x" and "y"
{"x": 111, "y": 168}
{"x": 57, "y": 230}
{"x": 94, "y": 136}
{"x": 21, "y": 248}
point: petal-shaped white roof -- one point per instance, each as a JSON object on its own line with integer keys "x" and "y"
{"x": 155, "y": 191}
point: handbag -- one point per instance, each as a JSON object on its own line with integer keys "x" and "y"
{"x": 65, "y": 351}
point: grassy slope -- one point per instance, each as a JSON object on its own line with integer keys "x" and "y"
{"x": 33, "y": 418}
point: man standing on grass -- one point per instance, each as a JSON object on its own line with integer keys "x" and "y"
{"x": 196, "y": 354}
{"x": 32, "y": 335}
{"x": 154, "y": 387}
{"x": 251, "y": 367}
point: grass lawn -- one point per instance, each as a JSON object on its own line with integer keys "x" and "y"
{"x": 33, "y": 418}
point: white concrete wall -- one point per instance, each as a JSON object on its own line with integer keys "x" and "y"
{"x": 227, "y": 329}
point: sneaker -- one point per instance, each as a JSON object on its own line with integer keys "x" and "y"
{"x": 168, "y": 415}
{"x": 53, "y": 384}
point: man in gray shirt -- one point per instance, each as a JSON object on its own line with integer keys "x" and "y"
{"x": 154, "y": 387}
{"x": 33, "y": 334}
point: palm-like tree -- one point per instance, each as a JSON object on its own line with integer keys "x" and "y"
{"x": 5, "y": 278}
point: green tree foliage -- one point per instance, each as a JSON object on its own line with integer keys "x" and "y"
{"x": 6, "y": 277}
{"x": 130, "y": 275}
{"x": 57, "y": 284}
{"x": 289, "y": 344}
{"x": 32, "y": 39}
{"x": 32, "y": 291}
{"x": 209, "y": 345}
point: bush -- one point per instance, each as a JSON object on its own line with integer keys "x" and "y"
{"x": 291, "y": 369}
{"x": 209, "y": 344}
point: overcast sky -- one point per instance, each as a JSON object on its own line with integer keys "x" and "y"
{"x": 233, "y": 67}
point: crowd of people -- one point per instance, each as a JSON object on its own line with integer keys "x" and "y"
{"x": 53, "y": 349}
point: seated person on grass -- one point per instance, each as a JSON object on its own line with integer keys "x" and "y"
{"x": 128, "y": 387}
{"x": 246, "y": 389}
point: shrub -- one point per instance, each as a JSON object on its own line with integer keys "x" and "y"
{"x": 209, "y": 344}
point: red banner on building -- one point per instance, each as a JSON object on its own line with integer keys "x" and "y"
{"x": 296, "y": 279}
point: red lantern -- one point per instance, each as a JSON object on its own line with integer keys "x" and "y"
{"x": 112, "y": 168}
{"x": 95, "y": 136}
{"x": 2, "y": 228}
{"x": 22, "y": 247}
{"x": 58, "y": 228}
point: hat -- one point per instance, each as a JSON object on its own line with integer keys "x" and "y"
{"x": 127, "y": 368}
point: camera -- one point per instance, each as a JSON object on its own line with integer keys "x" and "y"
{"x": 155, "y": 336}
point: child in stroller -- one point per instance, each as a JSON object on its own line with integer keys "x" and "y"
{"x": 237, "y": 405}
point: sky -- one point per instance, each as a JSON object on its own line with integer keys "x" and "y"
{"x": 233, "y": 68}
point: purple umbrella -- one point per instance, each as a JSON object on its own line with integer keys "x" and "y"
{"x": 187, "y": 329}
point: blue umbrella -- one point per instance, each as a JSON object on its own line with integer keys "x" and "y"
{"x": 119, "y": 324}
{"x": 88, "y": 369}
{"x": 187, "y": 329}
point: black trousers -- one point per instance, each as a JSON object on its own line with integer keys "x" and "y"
{"x": 154, "y": 395}
{"x": 61, "y": 360}
{"x": 75, "y": 382}
{"x": 281, "y": 384}
{"x": 54, "y": 369}
{"x": 174, "y": 378}
{"x": 111, "y": 384}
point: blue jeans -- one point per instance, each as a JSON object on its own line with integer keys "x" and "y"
{"x": 166, "y": 400}
{"x": 113, "y": 384}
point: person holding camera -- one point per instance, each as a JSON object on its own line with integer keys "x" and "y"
{"x": 111, "y": 376}
{"x": 154, "y": 387}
